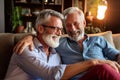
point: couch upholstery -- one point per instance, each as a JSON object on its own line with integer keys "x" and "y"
{"x": 8, "y": 40}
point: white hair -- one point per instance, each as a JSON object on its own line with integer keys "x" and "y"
{"x": 44, "y": 16}
{"x": 72, "y": 10}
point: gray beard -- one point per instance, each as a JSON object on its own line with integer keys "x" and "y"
{"x": 78, "y": 35}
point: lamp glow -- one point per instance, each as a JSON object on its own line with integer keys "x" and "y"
{"x": 101, "y": 10}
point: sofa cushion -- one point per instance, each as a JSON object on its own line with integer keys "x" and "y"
{"x": 116, "y": 40}
{"x": 7, "y": 41}
{"x": 19, "y": 36}
{"x": 107, "y": 35}
{"x": 6, "y": 45}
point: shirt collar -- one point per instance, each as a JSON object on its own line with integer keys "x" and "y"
{"x": 87, "y": 37}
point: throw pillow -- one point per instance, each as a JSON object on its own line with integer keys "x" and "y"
{"x": 107, "y": 35}
{"x": 116, "y": 40}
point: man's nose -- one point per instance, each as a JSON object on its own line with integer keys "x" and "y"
{"x": 73, "y": 28}
{"x": 59, "y": 32}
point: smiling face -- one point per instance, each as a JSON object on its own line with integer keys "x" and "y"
{"x": 52, "y": 31}
{"x": 75, "y": 26}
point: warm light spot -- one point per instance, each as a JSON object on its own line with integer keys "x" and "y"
{"x": 101, "y": 12}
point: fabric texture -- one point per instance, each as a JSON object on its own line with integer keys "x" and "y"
{"x": 107, "y": 35}
{"x": 94, "y": 47}
{"x": 35, "y": 65}
{"x": 116, "y": 39}
{"x": 7, "y": 41}
{"x": 101, "y": 72}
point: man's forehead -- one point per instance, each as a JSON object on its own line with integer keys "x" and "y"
{"x": 51, "y": 17}
{"x": 74, "y": 17}
{"x": 54, "y": 21}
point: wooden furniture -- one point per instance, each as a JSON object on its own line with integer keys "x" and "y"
{"x": 30, "y": 9}
{"x": 69, "y": 3}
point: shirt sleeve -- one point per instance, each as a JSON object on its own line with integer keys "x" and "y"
{"x": 109, "y": 50}
{"x": 37, "y": 68}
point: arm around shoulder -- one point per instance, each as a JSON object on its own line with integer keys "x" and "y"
{"x": 22, "y": 44}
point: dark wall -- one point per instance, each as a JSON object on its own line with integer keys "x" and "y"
{"x": 113, "y": 16}
{"x": 68, "y": 3}
{"x": 8, "y": 12}
{"x": 2, "y": 27}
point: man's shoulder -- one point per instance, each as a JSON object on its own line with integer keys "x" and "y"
{"x": 96, "y": 37}
{"x": 62, "y": 39}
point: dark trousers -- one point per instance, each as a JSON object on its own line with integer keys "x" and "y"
{"x": 101, "y": 72}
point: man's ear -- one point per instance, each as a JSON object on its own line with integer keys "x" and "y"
{"x": 40, "y": 29}
{"x": 84, "y": 22}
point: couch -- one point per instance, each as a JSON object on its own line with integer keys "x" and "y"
{"x": 8, "y": 40}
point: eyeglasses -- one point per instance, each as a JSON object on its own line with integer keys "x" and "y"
{"x": 53, "y": 27}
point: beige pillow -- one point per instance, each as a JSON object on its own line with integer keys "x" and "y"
{"x": 116, "y": 40}
{"x": 107, "y": 35}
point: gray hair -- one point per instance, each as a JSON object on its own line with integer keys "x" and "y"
{"x": 72, "y": 10}
{"x": 44, "y": 15}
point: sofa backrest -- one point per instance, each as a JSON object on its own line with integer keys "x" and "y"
{"x": 6, "y": 45}
{"x": 107, "y": 35}
{"x": 7, "y": 42}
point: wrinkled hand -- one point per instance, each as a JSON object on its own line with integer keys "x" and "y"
{"x": 114, "y": 65}
{"x": 22, "y": 44}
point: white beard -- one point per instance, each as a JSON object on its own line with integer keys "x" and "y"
{"x": 51, "y": 40}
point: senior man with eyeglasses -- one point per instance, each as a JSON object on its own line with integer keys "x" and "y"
{"x": 43, "y": 63}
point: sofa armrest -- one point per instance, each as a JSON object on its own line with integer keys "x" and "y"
{"x": 6, "y": 47}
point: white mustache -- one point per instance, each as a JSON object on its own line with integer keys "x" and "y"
{"x": 74, "y": 32}
{"x": 55, "y": 36}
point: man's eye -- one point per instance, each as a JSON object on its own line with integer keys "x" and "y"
{"x": 53, "y": 27}
{"x": 76, "y": 24}
{"x": 68, "y": 25}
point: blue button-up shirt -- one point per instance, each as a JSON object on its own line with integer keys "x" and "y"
{"x": 94, "y": 47}
{"x": 35, "y": 65}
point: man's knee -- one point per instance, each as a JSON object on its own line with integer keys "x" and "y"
{"x": 102, "y": 67}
